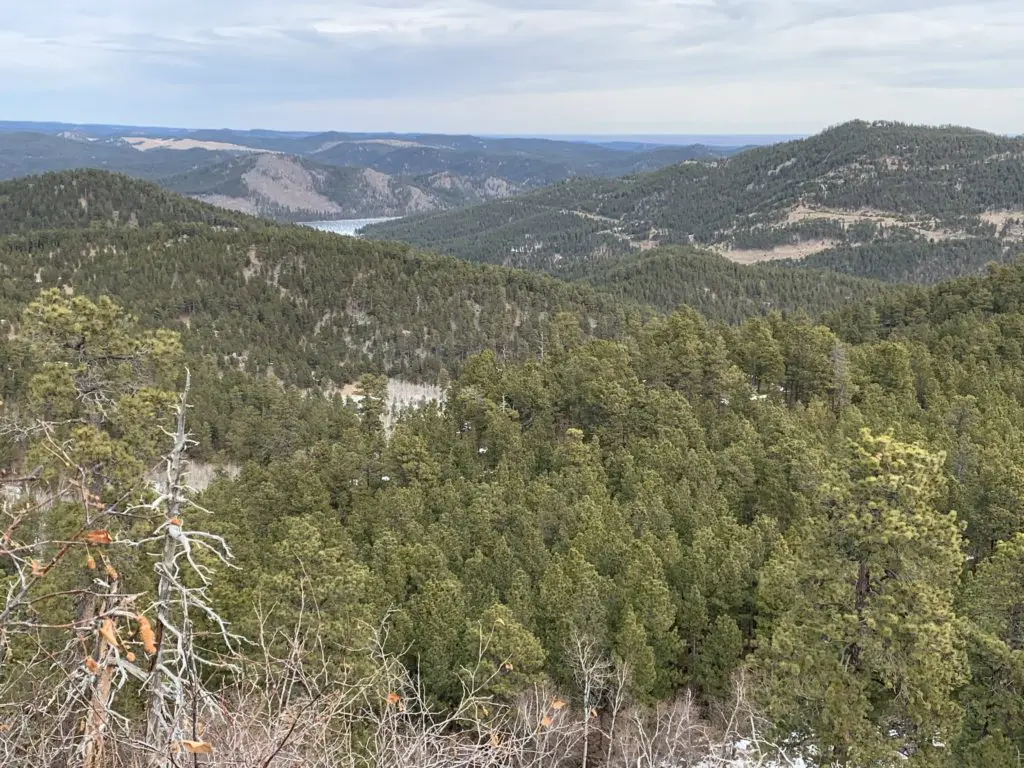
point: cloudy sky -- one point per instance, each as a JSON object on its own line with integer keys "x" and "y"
{"x": 514, "y": 66}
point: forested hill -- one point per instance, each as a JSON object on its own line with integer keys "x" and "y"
{"x": 312, "y": 307}
{"x": 663, "y": 541}
{"x": 855, "y": 184}
{"x": 306, "y": 306}
{"x": 98, "y": 199}
{"x": 303, "y": 176}
{"x": 667, "y": 278}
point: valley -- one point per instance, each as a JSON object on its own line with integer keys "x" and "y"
{"x": 306, "y": 177}
{"x": 486, "y": 384}
{"x": 593, "y": 479}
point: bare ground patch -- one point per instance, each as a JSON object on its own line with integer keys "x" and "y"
{"x": 240, "y": 204}
{"x": 1009, "y": 223}
{"x": 926, "y": 227}
{"x": 789, "y": 251}
{"x": 145, "y": 144}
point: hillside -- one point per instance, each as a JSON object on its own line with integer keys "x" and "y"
{"x": 667, "y": 278}
{"x": 96, "y": 199}
{"x": 328, "y": 175}
{"x": 23, "y": 153}
{"x": 305, "y": 306}
{"x": 291, "y": 188}
{"x": 916, "y": 260}
{"x": 523, "y": 163}
{"x": 856, "y": 184}
{"x": 625, "y": 539}
{"x": 312, "y": 307}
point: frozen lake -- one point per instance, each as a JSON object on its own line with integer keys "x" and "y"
{"x": 349, "y": 227}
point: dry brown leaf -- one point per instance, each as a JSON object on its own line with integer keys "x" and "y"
{"x": 146, "y": 634}
{"x": 394, "y": 698}
{"x": 91, "y": 665}
{"x": 37, "y": 570}
{"x": 197, "y": 747}
{"x": 97, "y": 537}
{"x": 494, "y": 740}
{"x": 546, "y": 721}
{"x": 557, "y": 704}
{"x": 107, "y": 632}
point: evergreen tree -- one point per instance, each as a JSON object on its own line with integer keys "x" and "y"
{"x": 860, "y": 647}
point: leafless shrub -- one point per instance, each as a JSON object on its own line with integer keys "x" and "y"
{"x": 61, "y": 684}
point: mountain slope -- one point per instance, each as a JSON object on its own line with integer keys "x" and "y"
{"x": 96, "y": 199}
{"x": 856, "y": 183}
{"x": 668, "y": 277}
{"x": 23, "y": 153}
{"x": 918, "y": 261}
{"x": 431, "y": 172}
{"x": 294, "y": 189}
{"x": 304, "y": 306}
{"x": 525, "y": 163}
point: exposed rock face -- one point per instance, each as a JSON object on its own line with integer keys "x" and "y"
{"x": 292, "y": 188}
{"x": 284, "y": 182}
{"x": 489, "y": 188}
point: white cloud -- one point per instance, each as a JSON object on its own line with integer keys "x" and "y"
{"x": 737, "y": 107}
{"x": 516, "y": 65}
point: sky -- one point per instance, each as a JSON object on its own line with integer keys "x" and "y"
{"x": 514, "y": 66}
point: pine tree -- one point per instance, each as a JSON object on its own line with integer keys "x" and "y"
{"x": 993, "y": 601}
{"x": 860, "y": 648}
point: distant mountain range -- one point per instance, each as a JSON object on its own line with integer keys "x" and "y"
{"x": 882, "y": 200}
{"x": 307, "y": 176}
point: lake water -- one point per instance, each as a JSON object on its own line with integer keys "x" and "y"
{"x": 349, "y": 227}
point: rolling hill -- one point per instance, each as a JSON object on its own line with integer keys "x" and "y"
{"x": 302, "y": 306}
{"x": 666, "y": 278}
{"x": 524, "y": 163}
{"x": 858, "y": 184}
{"x": 23, "y": 153}
{"x": 312, "y": 308}
{"x": 301, "y": 176}
{"x": 97, "y": 200}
